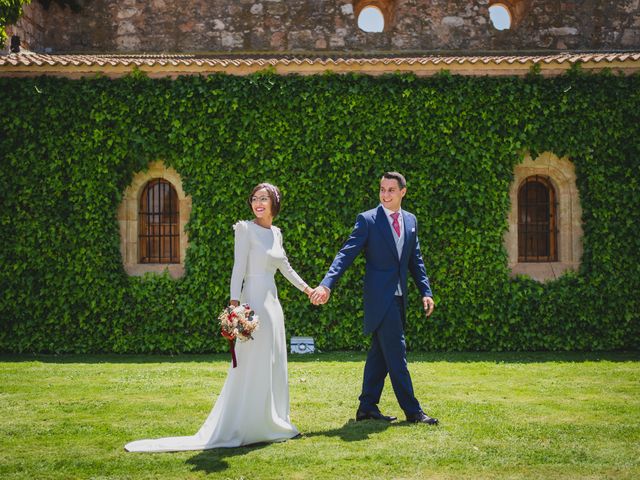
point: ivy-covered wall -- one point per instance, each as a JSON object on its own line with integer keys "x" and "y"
{"x": 69, "y": 148}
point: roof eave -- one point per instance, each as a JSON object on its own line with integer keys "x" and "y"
{"x": 173, "y": 66}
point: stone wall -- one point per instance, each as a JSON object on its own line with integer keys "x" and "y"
{"x": 330, "y": 26}
{"x": 30, "y": 28}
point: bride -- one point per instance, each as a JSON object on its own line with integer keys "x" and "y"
{"x": 253, "y": 405}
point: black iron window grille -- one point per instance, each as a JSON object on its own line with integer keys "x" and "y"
{"x": 537, "y": 233}
{"x": 158, "y": 227}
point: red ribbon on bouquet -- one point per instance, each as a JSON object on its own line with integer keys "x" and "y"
{"x": 232, "y": 347}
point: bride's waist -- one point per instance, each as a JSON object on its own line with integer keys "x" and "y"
{"x": 259, "y": 275}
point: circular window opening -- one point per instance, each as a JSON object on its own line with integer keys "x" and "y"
{"x": 500, "y": 17}
{"x": 371, "y": 20}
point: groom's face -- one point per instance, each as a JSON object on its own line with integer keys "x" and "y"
{"x": 391, "y": 194}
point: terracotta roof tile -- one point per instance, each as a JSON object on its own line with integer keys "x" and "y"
{"x": 36, "y": 62}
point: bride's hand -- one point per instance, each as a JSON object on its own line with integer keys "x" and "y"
{"x": 308, "y": 291}
{"x": 319, "y": 295}
{"x": 234, "y": 303}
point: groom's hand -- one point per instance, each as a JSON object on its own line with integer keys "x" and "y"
{"x": 428, "y": 304}
{"x": 315, "y": 296}
{"x": 320, "y": 295}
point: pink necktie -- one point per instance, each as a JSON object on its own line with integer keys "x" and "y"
{"x": 396, "y": 224}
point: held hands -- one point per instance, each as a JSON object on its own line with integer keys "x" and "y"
{"x": 311, "y": 293}
{"x": 428, "y": 304}
{"x": 319, "y": 295}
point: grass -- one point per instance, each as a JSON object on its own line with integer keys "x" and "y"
{"x": 516, "y": 416}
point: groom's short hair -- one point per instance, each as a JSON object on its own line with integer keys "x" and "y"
{"x": 396, "y": 176}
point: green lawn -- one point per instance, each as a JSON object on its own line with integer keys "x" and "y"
{"x": 520, "y": 416}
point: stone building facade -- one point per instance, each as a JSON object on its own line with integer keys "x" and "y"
{"x": 328, "y": 26}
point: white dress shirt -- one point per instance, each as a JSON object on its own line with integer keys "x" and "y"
{"x": 389, "y": 213}
{"x": 398, "y": 238}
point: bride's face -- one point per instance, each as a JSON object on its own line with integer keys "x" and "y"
{"x": 261, "y": 204}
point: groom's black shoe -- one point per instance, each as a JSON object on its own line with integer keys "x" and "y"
{"x": 422, "y": 417}
{"x": 373, "y": 415}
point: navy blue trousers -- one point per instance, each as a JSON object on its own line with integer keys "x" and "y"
{"x": 388, "y": 355}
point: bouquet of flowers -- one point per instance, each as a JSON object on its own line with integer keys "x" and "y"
{"x": 237, "y": 323}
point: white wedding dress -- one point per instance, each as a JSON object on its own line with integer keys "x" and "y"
{"x": 253, "y": 405}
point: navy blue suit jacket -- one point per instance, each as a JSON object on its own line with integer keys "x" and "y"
{"x": 383, "y": 269}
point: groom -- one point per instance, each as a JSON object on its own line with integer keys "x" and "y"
{"x": 389, "y": 237}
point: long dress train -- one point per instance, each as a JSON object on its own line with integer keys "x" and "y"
{"x": 253, "y": 405}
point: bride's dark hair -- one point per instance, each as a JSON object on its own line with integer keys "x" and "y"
{"x": 274, "y": 195}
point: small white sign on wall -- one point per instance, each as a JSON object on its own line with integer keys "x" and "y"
{"x": 302, "y": 345}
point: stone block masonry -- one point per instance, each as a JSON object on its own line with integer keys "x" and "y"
{"x": 328, "y": 26}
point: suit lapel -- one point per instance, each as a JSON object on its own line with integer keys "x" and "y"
{"x": 385, "y": 230}
{"x": 408, "y": 235}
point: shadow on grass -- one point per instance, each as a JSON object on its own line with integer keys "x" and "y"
{"x": 212, "y": 461}
{"x": 353, "y": 431}
{"x": 448, "y": 357}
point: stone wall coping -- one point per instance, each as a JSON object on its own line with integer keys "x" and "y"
{"x": 168, "y": 65}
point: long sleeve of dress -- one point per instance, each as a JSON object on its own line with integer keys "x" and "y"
{"x": 288, "y": 272}
{"x": 240, "y": 258}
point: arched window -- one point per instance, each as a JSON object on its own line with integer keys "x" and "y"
{"x": 158, "y": 223}
{"x": 374, "y": 15}
{"x": 371, "y": 19}
{"x": 544, "y": 238}
{"x": 151, "y": 216}
{"x": 507, "y": 14}
{"x": 500, "y": 16}
{"x": 537, "y": 220}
